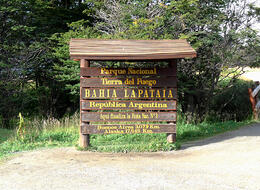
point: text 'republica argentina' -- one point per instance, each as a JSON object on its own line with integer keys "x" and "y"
{"x": 163, "y": 105}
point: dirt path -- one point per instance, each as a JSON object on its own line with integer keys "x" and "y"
{"x": 228, "y": 161}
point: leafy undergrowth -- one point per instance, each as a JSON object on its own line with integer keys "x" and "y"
{"x": 65, "y": 136}
{"x": 4, "y": 134}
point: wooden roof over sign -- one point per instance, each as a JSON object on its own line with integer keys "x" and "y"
{"x": 93, "y": 49}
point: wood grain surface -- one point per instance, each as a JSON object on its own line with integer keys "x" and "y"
{"x": 93, "y": 49}
{"x": 127, "y": 105}
{"x": 131, "y": 81}
{"x": 127, "y": 116}
{"x": 127, "y": 128}
{"x": 95, "y": 71}
{"x": 129, "y": 93}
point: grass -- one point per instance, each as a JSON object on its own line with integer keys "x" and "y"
{"x": 157, "y": 142}
{"x": 191, "y": 132}
{"x": 5, "y": 134}
{"x": 53, "y": 133}
{"x": 40, "y": 133}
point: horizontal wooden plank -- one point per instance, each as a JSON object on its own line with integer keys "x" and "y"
{"x": 129, "y": 82}
{"x": 129, "y": 93}
{"x": 94, "y": 71}
{"x": 127, "y": 116}
{"x": 134, "y": 57}
{"x": 127, "y": 105}
{"x": 127, "y": 128}
{"x": 130, "y": 49}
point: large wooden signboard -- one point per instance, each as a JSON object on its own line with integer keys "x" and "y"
{"x": 128, "y": 100}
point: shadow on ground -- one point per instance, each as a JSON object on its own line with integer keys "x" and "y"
{"x": 246, "y": 131}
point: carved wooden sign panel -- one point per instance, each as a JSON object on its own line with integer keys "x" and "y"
{"x": 128, "y": 100}
{"x": 129, "y": 93}
{"x": 128, "y": 105}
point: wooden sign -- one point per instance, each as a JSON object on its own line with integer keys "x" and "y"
{"x": 94, "y": 71}
{"x": 129, "y": 93}
{"x": 127, "y": 105}
{"x": 123, "y": 98}
{"x": 127, "y": 128}
{"x": 119, "y": 97}
{"x": 126, "y": 82}
{"x": 127, "y": 116}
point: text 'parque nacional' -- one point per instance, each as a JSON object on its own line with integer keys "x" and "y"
{"x": 95, "y": 71}
{"x": 129, "y": 71}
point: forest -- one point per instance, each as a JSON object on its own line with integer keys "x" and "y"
{"x": 38, "y": 78}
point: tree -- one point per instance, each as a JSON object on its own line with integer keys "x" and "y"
{"x": 38, "y": 77}
{"x": 15, "y": 37}
{"x": 222, "y": 34}
{"x": 220, "y": 30}
{"x": 27, "y": 77}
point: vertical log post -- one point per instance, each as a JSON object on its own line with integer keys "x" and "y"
{"x": 171, "y": 137}
{"x": 83, "y": 138}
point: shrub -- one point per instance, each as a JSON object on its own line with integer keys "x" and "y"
{"x": 232, "y": 103}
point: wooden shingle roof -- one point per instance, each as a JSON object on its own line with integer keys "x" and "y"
{"x": 93, "y": 49}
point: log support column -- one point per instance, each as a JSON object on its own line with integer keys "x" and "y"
{"x": 84, "y": 139}
{"x": 171, "y": 137}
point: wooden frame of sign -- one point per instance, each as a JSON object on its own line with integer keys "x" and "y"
{"x": 128, "y": 100}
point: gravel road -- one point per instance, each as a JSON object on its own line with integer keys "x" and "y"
{"x": 227, "y": 161}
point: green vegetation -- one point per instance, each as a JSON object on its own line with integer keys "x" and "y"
{"x": 64, "y": 133}
{"x": 5, "y": 134}
{"x": 38, "y": 79}
{"x": 190, "y": 132}
{"x": 39, "y": 133}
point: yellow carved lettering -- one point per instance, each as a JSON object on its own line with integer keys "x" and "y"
{"x": 133, "y": 94}
{"x": 170, "y": 94}
{"x": 87, "y": 93}
{"x": 131, "y": 105}
{"x": 158, "y": 95}
{"x": 101, "y": 93}
{"x": 114, "y": 95}
{"x": 126, "y": 95}
{"x": 94, "y": 94}
{"x": 152, "y": 91}
{"x": 146, "y": 94}
{"x": 141, "y": 81}
{"x": 102, "y": 70}
{"x": 92, "y": 104}
{"x": 140, "y": 92}
{"x": 154, "y": 71}
{"x": 164, "y": 93}
{"x": 106, "y": 81}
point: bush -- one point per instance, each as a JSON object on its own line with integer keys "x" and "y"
{"x": 232, "y": 103}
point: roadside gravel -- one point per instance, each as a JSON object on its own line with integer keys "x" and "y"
{"x": 227, "y": 161}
